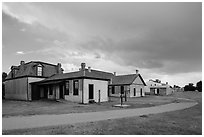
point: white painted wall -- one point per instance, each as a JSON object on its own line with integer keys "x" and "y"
{"x": 71, "y": 97}
{"x": 98, "y": 85}
{"x": 138, "y": 81}
{"x": 137, "y": 88}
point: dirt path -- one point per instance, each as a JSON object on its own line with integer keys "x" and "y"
{"x": 62, "y": 119}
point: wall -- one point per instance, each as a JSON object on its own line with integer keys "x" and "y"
{"x": 169, "y": 91}
{"x": 137, "y": 88}
{"x": 71, "y": 97}
{"x": 55, "y": 92}
{"x": 31, "y": 79}
{"x": 118, "y": 90}
{"x": 138, "y": 81}
{"x": 16, "y": 89}
{"x": 98, "y": 85}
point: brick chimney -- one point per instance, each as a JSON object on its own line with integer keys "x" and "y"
{"x": 83, "y": 65}
{"x": 59, "y": 68}
{"x": 137, "y": 71}
{"x": 22, "y": 65}
{"x": 22, "y": 62}
{"x": 114, "y": 73}
{"x": 89, "y": 69}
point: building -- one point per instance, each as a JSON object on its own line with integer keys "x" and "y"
{"x": 155, "y": 87}
{"x": 39, "y": 80}
{"x": 83, "y": 86}
{"x": 17, "y": 84}
{"x": 131, "y": 85}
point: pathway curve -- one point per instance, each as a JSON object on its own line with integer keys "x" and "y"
{"x": 63, "y": 119}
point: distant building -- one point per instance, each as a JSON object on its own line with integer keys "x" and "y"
{"x": 155, "y": 87}
{"x": 131, "y": 85}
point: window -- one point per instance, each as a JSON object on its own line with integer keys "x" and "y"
{"x": 13, "y": 73}
{"x": 113, "y": 90}
{"x": 76, "y": 87}
{"x": 39, "y": 70}
{"x": 134, "y": 92}
{"x": 51, "y": 90}
{"x": 66, "y": 88}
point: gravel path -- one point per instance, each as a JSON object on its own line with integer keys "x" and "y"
{"x": 63, "y": 119}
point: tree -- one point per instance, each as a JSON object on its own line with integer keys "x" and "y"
{"x": 199, "y": 86}
{"x": 4, "y": 75}
{"x": 189, "y": 87}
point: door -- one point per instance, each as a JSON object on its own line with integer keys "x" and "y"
{"x": 45, "y": 92}
{"x": 122, "y": 89}
{"x": 61, "y": 91}
{"x": 91, "y": 91}
{"x": 157, "y": 91}
{"x": 141, "y": 92}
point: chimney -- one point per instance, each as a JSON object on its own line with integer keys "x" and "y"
{"x": 83, "y": 65}
{"x": 22, "y": 62}
{"x": 89, "y": 69}
{"x": 22, "y": 65}
{"x": 59, "y": 69}
{"x": 137, "y": 71}
{"x": 114, "y": 73}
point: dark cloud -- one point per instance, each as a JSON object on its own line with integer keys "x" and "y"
{"x": 166, "y": 37}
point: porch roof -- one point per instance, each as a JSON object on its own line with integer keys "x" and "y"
{"x": 94, "y": 74}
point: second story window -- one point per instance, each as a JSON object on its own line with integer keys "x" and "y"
{"x": 39, "y": 70}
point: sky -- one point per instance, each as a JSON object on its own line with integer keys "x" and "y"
{"x": 162, "y": 40}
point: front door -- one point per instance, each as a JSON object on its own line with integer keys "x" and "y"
{"x": 61, "y": 92}
{"x": 45, "y": 92}
{"x": 91, "y": 91}
{"x": 141, "y": 92}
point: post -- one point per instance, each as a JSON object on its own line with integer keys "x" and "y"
{"x": 125, "y": 96}
{"x": 121, "y": 99}
{"x": 99, "y": 96}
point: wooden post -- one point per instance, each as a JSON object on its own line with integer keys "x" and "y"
{"x": 99, "y": 96}
{"x": 125, "y": 96}
{"x": 121, "y": 99}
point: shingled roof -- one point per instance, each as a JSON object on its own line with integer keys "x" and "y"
{"x": 126, "y": 79}
{"x": 93, "y": 74}
{"x": 29, "y": 70}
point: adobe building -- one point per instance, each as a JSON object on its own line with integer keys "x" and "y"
{"x": 39, "y": 80}
{"x": 18, "y": 82}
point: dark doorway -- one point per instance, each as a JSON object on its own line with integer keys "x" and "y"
{"x": 122, "y": 89}
{"x": 61, "y": 91}
{"x": 157, "y": 91}
{"x": 91, "y": 91}
{"x": 141, "y": 92}
{"x": 35, "y": 92}
{"x": 45, "y": 92}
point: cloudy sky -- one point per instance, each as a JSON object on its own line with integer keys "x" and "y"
{"x": 162, "y": 40}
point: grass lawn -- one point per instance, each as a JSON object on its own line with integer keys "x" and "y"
{"x": 24, "y": 108}
{"x": 187, "y": 121}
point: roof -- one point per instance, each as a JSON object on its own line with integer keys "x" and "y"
{"x": 94, "y": 74}
{"x": 29, "y": 70}
{"x": 126, "y": 79}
